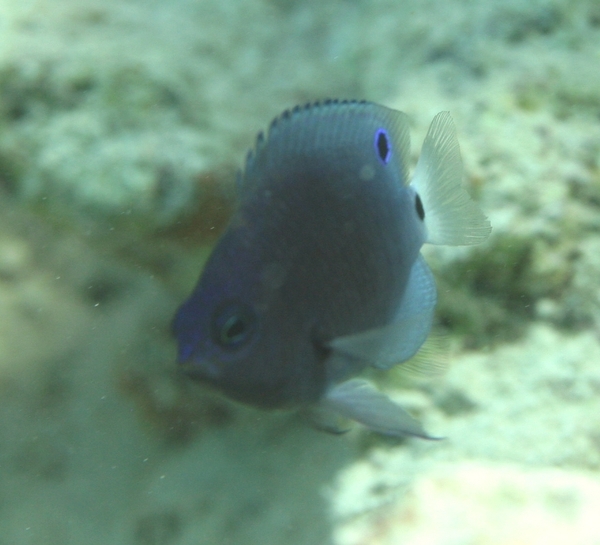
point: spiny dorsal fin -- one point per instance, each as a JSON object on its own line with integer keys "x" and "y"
{"x": 289, "y": 115}
{"x": 320, "y": 124}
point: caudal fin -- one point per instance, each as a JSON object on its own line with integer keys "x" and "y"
{"x": 451, "y": 216}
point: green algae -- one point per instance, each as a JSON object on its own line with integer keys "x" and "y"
{"x": 490, "y": 296}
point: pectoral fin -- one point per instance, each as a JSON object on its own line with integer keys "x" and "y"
{"x": 400, "y": 340}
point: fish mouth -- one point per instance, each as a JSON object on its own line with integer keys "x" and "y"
{"x": 205, "y": 370}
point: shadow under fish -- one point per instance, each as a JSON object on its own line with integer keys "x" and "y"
{"x": 319, "y": 274}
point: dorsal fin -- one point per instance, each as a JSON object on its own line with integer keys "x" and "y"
{"x": 340, "y": 115}
{"x": 288, "y": 115}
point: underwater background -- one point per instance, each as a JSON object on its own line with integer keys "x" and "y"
{"x": 122, "y": 125}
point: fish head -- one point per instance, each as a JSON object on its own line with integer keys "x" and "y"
{"x": 236, "y": 334}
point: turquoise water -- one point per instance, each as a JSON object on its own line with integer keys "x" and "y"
{"x": 121, "y": 127}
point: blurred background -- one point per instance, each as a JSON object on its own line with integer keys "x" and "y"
{"x": 122, "y": 125}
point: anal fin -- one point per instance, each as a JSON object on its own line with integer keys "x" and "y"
{"x": 359, "y": 400}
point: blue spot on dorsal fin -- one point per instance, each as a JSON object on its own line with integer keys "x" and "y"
{"x": 382, "y": 146}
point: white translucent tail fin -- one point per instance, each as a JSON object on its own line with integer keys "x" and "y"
{"x": 451, "y": 216}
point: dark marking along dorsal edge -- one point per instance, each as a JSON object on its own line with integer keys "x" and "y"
{"x": 395, "y": 123}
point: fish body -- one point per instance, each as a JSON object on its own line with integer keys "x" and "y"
{"x": 319, "y": 273}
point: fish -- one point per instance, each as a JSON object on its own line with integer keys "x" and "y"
{"x": 319, "y": 274}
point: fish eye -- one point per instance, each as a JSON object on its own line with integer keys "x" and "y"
{"x": 382, "y": 146}
{"x": 419, "y": 207}
{"x": 233, "y": 325}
